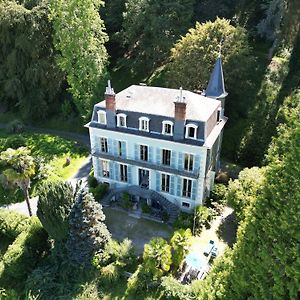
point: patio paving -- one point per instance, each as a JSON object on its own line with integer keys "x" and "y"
{"x": 123, "y": 225}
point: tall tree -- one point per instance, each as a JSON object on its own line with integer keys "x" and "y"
{"x": 19, "y": 169}
{"x": 56, "y": 200}
{"x": 151, "y": 27}
{"x": 79, "y": 36}
{"x": 88, "y": 234}
{"x": 30, "y": 81}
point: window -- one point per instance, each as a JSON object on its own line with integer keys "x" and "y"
{"x": 187, "y": 188}
{"x": 188, "y": 162}
{"x": 105, "y": 168}
{"x": 143, "y": 152}
{"x": 102, "y": 117}
{"x": 165, "y": 183}
{"x": 144, "y": 124}
{"x": 186, "y": 205}
{"x": 219, "y": 114}
{"x": 167, "y": 128}
{"x": 191, "y": 131}
{"x": 121, "y": 120}
{"x": 122, "y": 148}
{"x": 123, "y": 173}
{"x": 103, "y": 144}
{"x": 166, "y": 157}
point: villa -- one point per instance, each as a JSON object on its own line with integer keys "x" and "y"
{"x": 165, "y": 142}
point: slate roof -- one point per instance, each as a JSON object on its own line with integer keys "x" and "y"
{"x": 160, "y": 101}
{"x": 216, "y": 87}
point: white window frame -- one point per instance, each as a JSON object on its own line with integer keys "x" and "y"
{"x": 123, "y": 169}
{"x": 105, "y": 173}
{"x": 146, "y": 153}
{"x": 141, "y": 122}
{"x": 104, "y": 143}
{"x": 164, "y": 123}
{"x": 102, "y": 113}
{"x": 186, "y": 193}
{"x": 187, "y": 127}
{"x": 119, "y": 116}
{"x": 162, "y": 157}
{"x": 165, "y": 188}
{"x": 190, "y": 161}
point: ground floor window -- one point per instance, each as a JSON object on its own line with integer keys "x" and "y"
{"x": 187, "y": 188}
{"x": 123, "y": 173}
{"x": 186, "y": 205}
{"x": 105, "y": 168}
{"x": 165, "y": 183}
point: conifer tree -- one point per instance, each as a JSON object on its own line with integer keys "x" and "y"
{"x": 88, "y": 234}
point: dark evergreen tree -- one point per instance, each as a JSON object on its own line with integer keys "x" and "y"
{"x": 56, "y": 200}
{"x": 88, "y": 234}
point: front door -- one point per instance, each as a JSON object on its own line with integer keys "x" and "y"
{"x": 144, "y": 178}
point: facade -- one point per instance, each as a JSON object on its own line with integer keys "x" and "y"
{"x": 164, "y": 140}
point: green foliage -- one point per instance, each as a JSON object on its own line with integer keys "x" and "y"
{"x": 180, "y": 242}
{"x": 219, "y": 193}
{"x": 194, "y": 56}
{"x": 150, "y": 28}
{"x": 56, "y": 200}
{"x": 30, "y": 81}
{"x": 173, "y": 289}
{"x": 88, "y": 234}
{"x": 243, "y": 191}
{"x": 146, "y": 209}
{"x": 15, "y": 126}
{"x": 183, "y": 221}
{"x": 203, "y": 217}
{"x": 12, "y": 224}
{"x": 92, "y": 181}
{"x": 14, "y": 142}
{"x": 22, "y": 256}
{"x": 99, "y": 191}
{"x": 125, "y": 201}
{"x": 79, "y": 36}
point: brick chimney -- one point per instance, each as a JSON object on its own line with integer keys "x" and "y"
{"x": 180, "y": 114}
{"x": 110, "y": 103}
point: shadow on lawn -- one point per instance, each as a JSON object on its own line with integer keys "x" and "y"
{"x": 228, "y": 229}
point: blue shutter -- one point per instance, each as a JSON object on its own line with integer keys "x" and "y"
{"x": 110, "y": 145}
{"x": 172, "y": 184}
{"x": 124, "y": 150}
{"x": 150, "y": 158}
{"x": 115, "y": 147}
{"x": 173, "y": 159}
{"x": 99, "y": 167}
{"x": 158, "y": 176}
{"x": 111, "y": 170}
{"x": 180, "y": 161}
{"x": 179, "y": 184}
{"x": 129, "y": 174}
{"x": 196, "y": 162}
{"x": 158, "y": 156}
{"x": 136, "y": 151}
{"x": 117, "y": 171}
{"x": 194, "y": 189}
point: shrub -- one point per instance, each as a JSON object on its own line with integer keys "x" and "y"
{"x": 125, "y": 202}
{"x": 24, "y": 253}
{"x": 173, "y": 289}
{"x": 12, "y": 223}
{"x": 110, "y": 273}
{"x": 14, "y": 142}
{"x": 165, "y": 216}
{"x": 10, "y": 194}
{"x": 146, "y": 209}
{"x": 92, "y": 181}
{"x": 15, "y": 126}
{"x": 222, "y": 177}
{"x": 99, "y": 191}
{"x": 219, "y": 193}
{"x": 184, "y": 220}
{"x": 56, "y": 200}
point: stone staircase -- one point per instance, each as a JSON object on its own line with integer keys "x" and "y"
{"x": 135, "y": 190}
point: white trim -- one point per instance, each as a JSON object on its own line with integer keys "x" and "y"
{"x": 119, "y": 116}
{"x": 102, "y": 113}
{"x": 187, "y": 127}
{"x": 167, "y": 123}
{"x": 144, "y": 119}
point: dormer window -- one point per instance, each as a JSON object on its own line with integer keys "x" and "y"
{"x": 167, "y": 127}
{"x": 121, "y": 120}
{"x": 144, "y": 124}
{"x": 102, "y": 117}
{"x": 191, "y": 131}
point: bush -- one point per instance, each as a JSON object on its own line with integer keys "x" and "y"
{"x": 14, "y": 142}
{"x": 92, "y": 181}
{"x": 146, "y": 209}
{"x": 184, "y": 221}
{"x": 12, "y": 224}
{"x": 126, "y": 202}
{"x": 24, "y": 254}
{"x": 99, "y": 191}
{"x": 10, "y": 194}
{"x": 15, "y": 126}
{"x": 219, "y": 193}
{"x": 165, "y": 216}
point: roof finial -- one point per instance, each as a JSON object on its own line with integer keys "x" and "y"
{"x": 109, "y": 89}
{"x": 180, "y": 98}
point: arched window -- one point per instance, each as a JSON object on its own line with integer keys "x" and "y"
{"x": 191, "y": 131}
{"x": 167, "y": 127}
{"x": 144, "y": 124}
{"x": 121, "y": 120}
{"x": 102, "y": 117}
